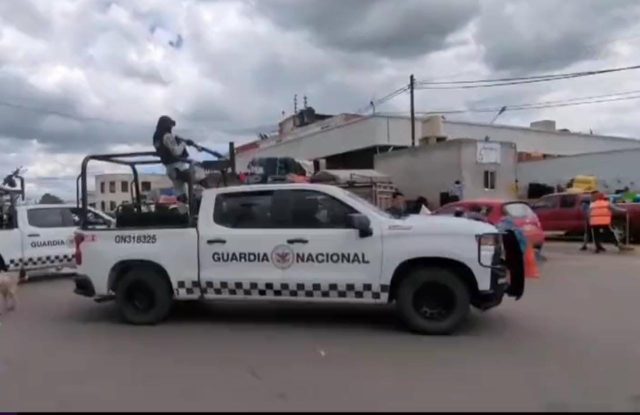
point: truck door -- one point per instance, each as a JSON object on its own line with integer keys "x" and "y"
{"x": 47, "y": 237}
{"x": 322, "y": 257}
{"x": 237, "y": 241}
{"x": 10, "y": 239}
{"x": 546, "y": 208}
{"x": 570, "y": 216}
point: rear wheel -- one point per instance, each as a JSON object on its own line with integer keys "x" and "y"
{"x": 144, "y": 296}
{"x": 433, "y": 300}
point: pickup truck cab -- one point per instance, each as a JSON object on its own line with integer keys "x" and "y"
{"x": 302, "y": 242}
{"x": 38, "y": 238}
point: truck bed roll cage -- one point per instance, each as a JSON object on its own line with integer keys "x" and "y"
{"x": 144, "y": 158}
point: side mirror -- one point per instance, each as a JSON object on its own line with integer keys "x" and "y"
{"x": 361, "y": 223}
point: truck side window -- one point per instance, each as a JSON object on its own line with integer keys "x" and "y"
{"x": 568, "y": 201}
{"x": 312, "y": 210}
{"x": 246, "y": 210}
{"x": 281, "y": 209}
{"x": 50, "y": 218}
{"x": 547, "y": 202}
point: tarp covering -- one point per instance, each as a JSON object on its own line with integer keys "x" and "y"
{"x": 350, "y": 176}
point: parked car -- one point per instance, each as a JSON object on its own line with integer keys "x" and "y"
{"x": 561, "y": 212}
{"x": 495, "y": 210}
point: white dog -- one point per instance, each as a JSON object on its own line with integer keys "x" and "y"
{"x": 9, "y": 281}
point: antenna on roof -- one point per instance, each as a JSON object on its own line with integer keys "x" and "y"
{"x": 305, "y": 102}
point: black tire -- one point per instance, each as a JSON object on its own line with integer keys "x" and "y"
{"x": 144, "y": 297}
{"x": 433, "y": 300}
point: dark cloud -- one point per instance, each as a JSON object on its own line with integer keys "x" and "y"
{"x": 523, "y": 36}
{"x": 393, "y": 29}
{"x": 26, "y": 17}
{"x": 56, "y": 121}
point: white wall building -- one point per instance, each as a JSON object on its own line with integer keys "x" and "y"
{"x": 614, "y": 170}
{"x": 114, "y": 189}
{"x": 351, "y": 141}
{"x": 487, "y": 169}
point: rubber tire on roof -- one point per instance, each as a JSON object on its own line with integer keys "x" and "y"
{"x": 144, "y": 297}
{"x": 442, "y": 279}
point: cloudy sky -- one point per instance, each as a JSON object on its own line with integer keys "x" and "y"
{"x": 87, "y": 76}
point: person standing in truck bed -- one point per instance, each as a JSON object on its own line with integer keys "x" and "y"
{"x": 173, "y": 153}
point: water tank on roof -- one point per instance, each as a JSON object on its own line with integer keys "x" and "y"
{"x": 432, "y": 130}
{"x": 433, "y": 127}
{"x": 546, "y": 125}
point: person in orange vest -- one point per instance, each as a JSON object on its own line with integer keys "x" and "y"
{"x": 600, "y": 217}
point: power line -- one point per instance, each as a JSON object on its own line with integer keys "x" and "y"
{"x": 596, "y": 99}
{"x": 380, "y": 101}
{"x": 485, "y": 83}
{"x": 562, "y": 75}
{"x": 621, "y": 96}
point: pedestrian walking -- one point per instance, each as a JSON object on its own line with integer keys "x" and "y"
{"x": 457, "y": 191}
{"x": 600, "y": 218}
{"x": 584, "y": 206}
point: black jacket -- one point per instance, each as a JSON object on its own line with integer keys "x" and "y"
{"x": 164, "y": 126}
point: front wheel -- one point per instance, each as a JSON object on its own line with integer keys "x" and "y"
{"x": 144, "y": 297}
{"x": 433, "y": 300}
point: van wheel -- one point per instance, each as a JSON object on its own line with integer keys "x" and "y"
{"x": 144, "y": 297}
{"x": 433, "y": 300}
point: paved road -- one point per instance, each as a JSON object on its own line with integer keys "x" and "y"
{"x": 573, "y": 343}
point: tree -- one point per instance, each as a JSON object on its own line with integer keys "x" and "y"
{"x": 49, "y": 199}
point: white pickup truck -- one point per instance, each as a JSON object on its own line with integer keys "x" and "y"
{"x": 39, "y": 238}
{"x": 302, "y": 242}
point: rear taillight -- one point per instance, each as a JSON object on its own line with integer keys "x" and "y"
{"x": 79, "y": 239}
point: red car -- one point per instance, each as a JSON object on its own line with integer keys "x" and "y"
{"x": 495, "y": 210}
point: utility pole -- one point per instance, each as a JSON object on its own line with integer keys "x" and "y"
{"x": 305, "y": 102}
{"x": 502, "y": 110}
{"x": 295, "y": 103}
{"x": 413, "y": 112}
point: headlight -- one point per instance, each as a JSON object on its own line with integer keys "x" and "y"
{"x": 488, "y": 240}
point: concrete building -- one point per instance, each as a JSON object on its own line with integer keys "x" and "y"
{"x": 486, "y": 169}
{"x": 350, "y": 141}
{"x": 614, "y": 170}
{"x": 114, "y": 189}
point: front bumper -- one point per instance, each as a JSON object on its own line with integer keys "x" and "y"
{"x": 507, "y": 272}
{"x": 84, "y": 286}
